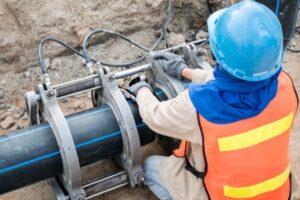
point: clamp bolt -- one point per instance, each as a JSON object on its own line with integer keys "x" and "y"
{"x": 111, "y": 76}
{"x": 80, "y": 197}
{"x": 51, "y": 93}
{"x": 141, "y": 178}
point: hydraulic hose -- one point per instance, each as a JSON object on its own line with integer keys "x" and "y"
{"x": 40, "y": 51}
{"x": 162, "y": 36}
{"x": 88, "y": 59}
{"x": 85, "y": 44}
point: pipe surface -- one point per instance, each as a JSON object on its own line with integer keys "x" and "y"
{"x": 30, "y": 155}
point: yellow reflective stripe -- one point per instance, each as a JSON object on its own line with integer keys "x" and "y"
{"x": 257, "y": 135}
{"x": 254, "y": 190}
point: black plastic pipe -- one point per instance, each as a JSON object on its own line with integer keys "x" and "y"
{"x": 30, "y": 155}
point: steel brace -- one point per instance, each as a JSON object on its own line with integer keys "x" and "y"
{"x": 71, "y": 177}
{"x": 131, "y": 156}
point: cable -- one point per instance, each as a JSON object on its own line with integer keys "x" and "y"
{"x": 209, "y": 7}
{"x": 85, "y": 53}
{"x": 85, "y": 43}
{"x": 277, "y": 8}
{"x": 162, "y": 36}
{"x": 87, "y": 58}
{"x": 40, "y": 51}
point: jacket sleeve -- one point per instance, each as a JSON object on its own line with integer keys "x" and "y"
{"x": 202, "y": 76}
{"x": 175, "y": 117}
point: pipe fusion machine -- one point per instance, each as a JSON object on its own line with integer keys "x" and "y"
{"x": 54, "y": 146}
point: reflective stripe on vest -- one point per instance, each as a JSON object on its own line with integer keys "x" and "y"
{"x": 248, "y": 159}
{"x": 260, "y": 188}
{"x": 256, "y": 135}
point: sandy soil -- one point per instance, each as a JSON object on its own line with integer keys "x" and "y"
{"x": 25, "y": 22}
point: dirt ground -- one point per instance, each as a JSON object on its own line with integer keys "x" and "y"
{"x": 15, "y": 82}
{"x": 25, "y": 22}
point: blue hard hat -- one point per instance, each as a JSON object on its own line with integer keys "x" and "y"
{"x": 247, "y": 40}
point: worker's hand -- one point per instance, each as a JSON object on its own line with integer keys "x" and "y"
{"x": 128, "y": 94}
{"x": 172, "y": 64}
{"x": 133, "y": 89}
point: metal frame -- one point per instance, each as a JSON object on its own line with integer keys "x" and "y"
{"x": 131, "y": 157}
{"x": 71, "y": 177}
{"x": 106, "y": 184}
{"x": 31, "y": 100}
{"x": 159, "y": 79}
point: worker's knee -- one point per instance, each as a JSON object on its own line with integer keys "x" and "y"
{"x": 151, "y": 166}
{"x": 152, "y": 163}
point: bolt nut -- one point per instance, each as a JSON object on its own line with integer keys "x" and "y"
{"x": 51, "y": 93}
{"x": 90, "y": 64}
{"x": 141, "y": 178}
{"x": 80, "y": 197}
{"x": 111, "y": 76}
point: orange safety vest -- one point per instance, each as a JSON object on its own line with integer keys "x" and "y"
{"x": 248, "y": 159}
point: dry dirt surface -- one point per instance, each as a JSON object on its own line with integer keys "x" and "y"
{"x": 24, "y": 22}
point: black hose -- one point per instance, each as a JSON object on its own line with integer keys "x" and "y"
{"x": 47, "y": 39}
{"x": 85, "y": 54}
{"x": 85, "y": 43}
{"x": 209, "y": 6}
{"x": 162, "y": 36}
{"x": 40, "y": 51}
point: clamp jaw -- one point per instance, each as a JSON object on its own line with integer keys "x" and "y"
{"x": 44, "y": 106}
{"x": 194, "y": 57}
{"x": 158, "y": 79}
{"x": 131, "y": 157}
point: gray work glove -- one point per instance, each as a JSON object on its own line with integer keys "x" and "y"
{"x": 172, "y": 64}
{"x": 133, "y": 89}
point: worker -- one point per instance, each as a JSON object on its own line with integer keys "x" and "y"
{"x": 234, "y": 121}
